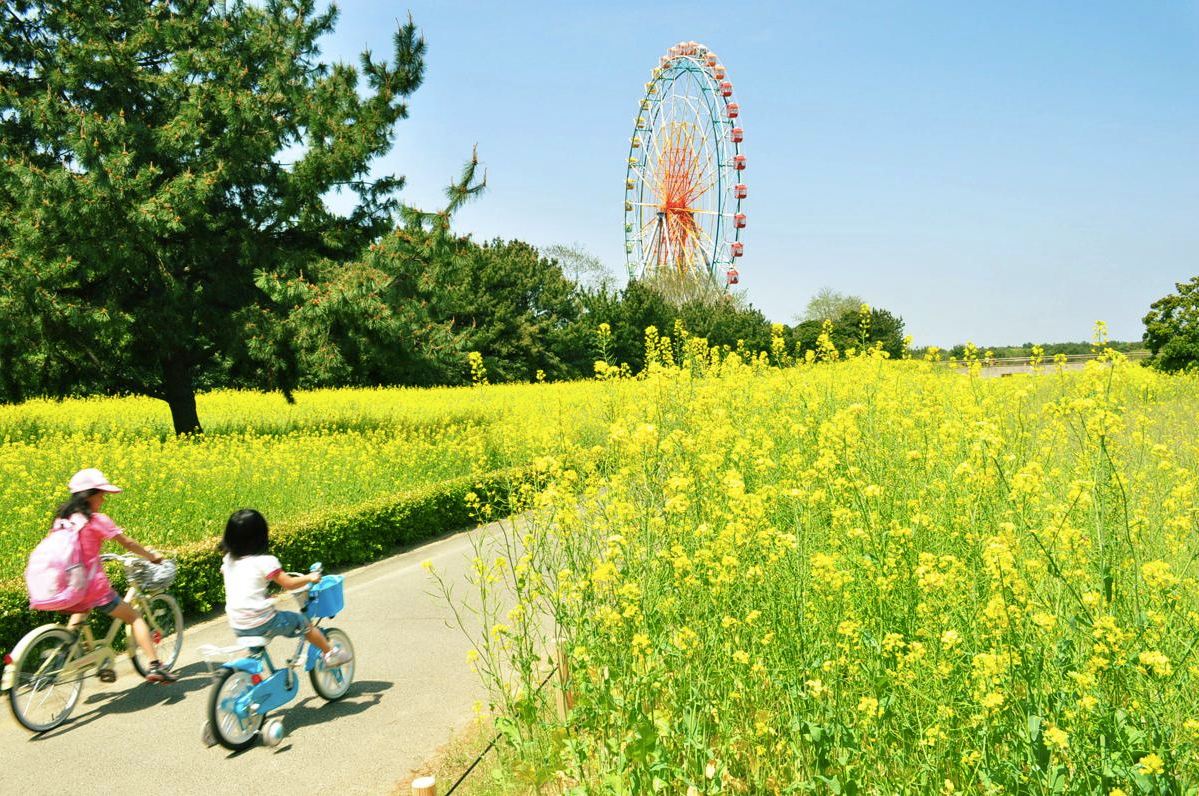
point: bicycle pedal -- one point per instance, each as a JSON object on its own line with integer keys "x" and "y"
{"x": 107, "y": 675}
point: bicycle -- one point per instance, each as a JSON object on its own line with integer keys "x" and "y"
{"x": 44, "y": 673}
{"x": 246, "y": 689}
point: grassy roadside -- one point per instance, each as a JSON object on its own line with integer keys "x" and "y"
{"x": 456, "y": 756}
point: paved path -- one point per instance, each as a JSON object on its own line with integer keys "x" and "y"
{"x": 412, "y": 689}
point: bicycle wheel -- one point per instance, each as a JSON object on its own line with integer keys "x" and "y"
{"x": 165, "y": 619}
{"x": 40, "y": 699}
{"x": 232, "y": 731}
{"x": 333, "y": 683}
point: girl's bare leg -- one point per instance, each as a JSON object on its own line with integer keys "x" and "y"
{"x": 141, "y": 631}
{"x": 315, "y": 636}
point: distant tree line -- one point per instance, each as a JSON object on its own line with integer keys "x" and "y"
{"x": 1048, "y": 350}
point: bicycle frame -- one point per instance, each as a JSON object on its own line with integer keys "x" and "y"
{"x": 101, "y": 655}
{"x": 279, "y": 686}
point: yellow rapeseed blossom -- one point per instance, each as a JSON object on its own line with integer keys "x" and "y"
{"x": 1151, "y": 765}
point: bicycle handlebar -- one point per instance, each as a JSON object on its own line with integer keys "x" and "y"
{"x": 123, "y": 558}
{"x": 127, "y": 558}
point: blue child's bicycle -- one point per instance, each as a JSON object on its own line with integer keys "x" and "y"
{"x": 246, "y": 689}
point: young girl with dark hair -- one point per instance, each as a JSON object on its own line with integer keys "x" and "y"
{"x": 249, "y": 568}
{"x": 89, "y": 488}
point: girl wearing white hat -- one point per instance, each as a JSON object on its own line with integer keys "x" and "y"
{"x": 89, "y": 488}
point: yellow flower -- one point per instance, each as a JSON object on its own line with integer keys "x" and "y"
{"x": 1151, "y": 764}
{"x": 1044, "y": 621}
{"x": 1158, "y": 575}
{"x": 869, "y": 707}
{"x": 1057, "y": 738}
{"x": 1156, "y": 663}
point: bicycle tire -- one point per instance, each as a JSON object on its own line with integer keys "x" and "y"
{"x": 165, "y": 619}
{"x": 43, "y": 658}
{"x": 334, "y": 683}
{"x": 230, "y": 731}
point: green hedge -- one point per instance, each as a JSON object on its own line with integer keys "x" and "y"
{"x": 338, "y": 538}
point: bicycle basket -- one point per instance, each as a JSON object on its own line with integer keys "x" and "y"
{"x": 150, "y": 577}
{"x": 325, "y": 598}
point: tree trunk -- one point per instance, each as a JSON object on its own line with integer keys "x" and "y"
{"x": 181, "y": 397}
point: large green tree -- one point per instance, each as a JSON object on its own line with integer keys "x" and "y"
{"x": 158, "y": 161}
{"x": 515, "y": 307}
{"x": 829, "y": 305}
{"x": 1172, "y": 328}
{"x": 853, "y": 329}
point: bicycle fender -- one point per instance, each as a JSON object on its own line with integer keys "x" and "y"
{"x": 19, "y": 650}
{"x": 248, "y": 665}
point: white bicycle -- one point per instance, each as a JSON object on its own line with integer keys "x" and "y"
{"x": 44, "y": 673}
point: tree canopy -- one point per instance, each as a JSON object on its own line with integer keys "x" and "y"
{"x": 1172, "y": 328}
{"x": 829, "y": 305}
{"x": 853, "y": 329}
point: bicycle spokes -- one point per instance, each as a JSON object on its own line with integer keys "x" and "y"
{"x": 46, "y": 684}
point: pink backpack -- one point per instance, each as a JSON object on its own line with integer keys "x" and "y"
{"x": 56, "y": 577}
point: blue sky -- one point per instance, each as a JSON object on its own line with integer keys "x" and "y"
{"x": 998, "y": 172}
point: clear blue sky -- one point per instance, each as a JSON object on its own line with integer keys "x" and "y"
{"x": 999, "y": 172}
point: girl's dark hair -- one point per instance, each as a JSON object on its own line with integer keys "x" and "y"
{"x": 245, "y": 534}
{"x": 77, "y": 504}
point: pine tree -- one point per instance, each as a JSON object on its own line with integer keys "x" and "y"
{"x": 158, "y": 162}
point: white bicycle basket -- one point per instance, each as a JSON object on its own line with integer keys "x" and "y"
{"x": 150, "y": 577}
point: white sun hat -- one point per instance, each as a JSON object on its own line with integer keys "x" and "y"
{"x": 91, "y": 478}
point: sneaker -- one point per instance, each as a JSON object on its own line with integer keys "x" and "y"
{"x": 160, "y": 674}
{"x": 337, "y": 656}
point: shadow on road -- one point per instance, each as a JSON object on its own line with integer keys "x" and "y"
{"x": 364, "y": 694}
{"x": 141, "y": 696}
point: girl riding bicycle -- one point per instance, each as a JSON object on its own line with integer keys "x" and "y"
{"x": 89, "y": 488}
{"x": 248, "y": 569}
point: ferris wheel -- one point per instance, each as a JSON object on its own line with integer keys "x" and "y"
{"x": 683, "y": 186}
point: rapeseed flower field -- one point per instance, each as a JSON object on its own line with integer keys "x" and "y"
{"x": 331, "y": 449}
{"x": 856, "y": 575}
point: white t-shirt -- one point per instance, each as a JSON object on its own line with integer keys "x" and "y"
{"x": 246, "y": 579}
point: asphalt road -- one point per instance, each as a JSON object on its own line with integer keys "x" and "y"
{"x": 412, "y": 690}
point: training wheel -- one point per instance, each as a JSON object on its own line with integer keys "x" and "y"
{"x": 207, "y": 736}
{"x": 272, "y": 733}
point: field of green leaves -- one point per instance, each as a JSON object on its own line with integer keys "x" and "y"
{"x": 861, "y": 576}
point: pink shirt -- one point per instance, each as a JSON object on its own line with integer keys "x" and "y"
{"x": 99, "y": 529}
